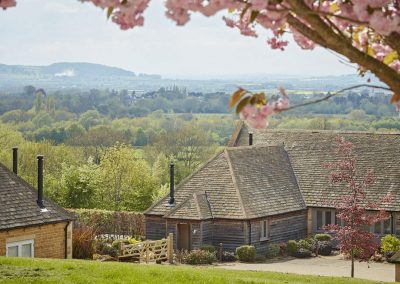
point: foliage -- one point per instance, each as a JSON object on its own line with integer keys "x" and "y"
{"x": 81, "y": 271}
{"x": 324, "y": 247}
{"x": 352, "y": 209}
{"x": 390, "y": 244}
{"x": 292, "y": 247}
{"x": 209, "y": 248}
{"x": 111, "y": 222}
{"x": 246, "y": 253}
{"x": 105, "y": 248}
{"x": 322, "y": 237}
{"x": 196, "y": 257}
{"x": 273, "y": 251}
{"x": 307, "y": 244}
{"x": 83, "y": 239}
{"x": 227, "y": 256}
{"x": 302, "y": 253}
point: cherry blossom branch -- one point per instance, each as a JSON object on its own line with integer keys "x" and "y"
{"x": 330, "y": 95}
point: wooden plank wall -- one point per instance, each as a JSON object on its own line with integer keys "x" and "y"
{"x": 282, "y": 228}
{"x": 230, "y": 233}
{"x": 155, "y": 228}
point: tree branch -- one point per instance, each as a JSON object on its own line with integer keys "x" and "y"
{"x": 330, "y": 95}
{"x": 393, "y": 40}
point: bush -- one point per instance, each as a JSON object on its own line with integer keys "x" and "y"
{"x": 228, "y": 256}
{"x": 323, "y": 237}
{"x": 282, "y": 247}
{"x": 302, "y": 253}
{"x": 324, "y": 248}
{"x": 246, "y": 253}
{"x": 104, "y": 248}
{"x": 292, "y": 247}
{"x": 83, "y": 238}
{"x": 273, "y": 251}
{"x": 390, "y": 244}
{"x": 111, "y": 222}
{"x": 200, "y": 257}
{"x": 307, "y": 244}
{"x": 209, "y": 248}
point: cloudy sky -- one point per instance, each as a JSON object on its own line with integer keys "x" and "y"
{"x": 41, "y": 32}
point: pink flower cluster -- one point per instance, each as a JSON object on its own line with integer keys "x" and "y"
{"x": 257, "y": 115}
{"x": 7, "y": 4}
{"x": 127, "y": 14}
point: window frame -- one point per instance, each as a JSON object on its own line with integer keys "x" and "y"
{"x": 323, "y": 221}
{"x": 19, "y": 244}
{"x": 264, "y": 224}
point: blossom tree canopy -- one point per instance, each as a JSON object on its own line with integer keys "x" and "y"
{"x": 366, "y": 32}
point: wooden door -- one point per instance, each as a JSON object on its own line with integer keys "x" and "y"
{"x": 183, "y": 237}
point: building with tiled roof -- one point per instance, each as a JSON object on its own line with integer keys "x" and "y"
{"x": 31, "y": 225}
{"x": 272, "y": 190}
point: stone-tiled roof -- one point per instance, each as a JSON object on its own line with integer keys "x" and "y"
{"x": 238, "y": 183}
{"x": 18, "y": 207}
{"x": 308, "y": 149}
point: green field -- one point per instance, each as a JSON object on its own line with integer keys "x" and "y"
{"x": 14, "y": 270}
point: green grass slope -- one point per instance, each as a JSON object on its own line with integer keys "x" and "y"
{"x": 14, "y": 270}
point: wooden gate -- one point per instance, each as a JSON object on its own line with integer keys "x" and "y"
{"x": 161, "y": 250}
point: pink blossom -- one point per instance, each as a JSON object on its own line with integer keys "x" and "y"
{"x": 277, "y": 44}
{"x": 7, "y": 4}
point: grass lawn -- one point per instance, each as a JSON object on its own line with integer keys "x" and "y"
{"x": 14, "y": 270}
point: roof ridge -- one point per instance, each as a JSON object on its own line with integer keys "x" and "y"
{"x": 197, "y": 204}
{"x": 185, "y": 180}
{"x": 295, "y": 176}
{"x": 236, "y": 134}
{"x": 259, "y": 145}
{"x": 235, "y": 185}
{"x": 322, "y": 131}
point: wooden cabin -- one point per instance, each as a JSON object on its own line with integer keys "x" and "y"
{"x": 269, "y": 187}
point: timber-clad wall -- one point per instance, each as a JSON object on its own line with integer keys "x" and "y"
{"x": 230, "y": 233}
{"x": 206, "y": 230}
{"x": 196, "y": 236}
{"x": 155, "y": 228}
{"x": 282, "y": 228}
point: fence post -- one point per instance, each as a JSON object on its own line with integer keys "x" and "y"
{"x": 120, "y": 248}
{"x": 147, "y": 252}
{"x": 170, "y": 248}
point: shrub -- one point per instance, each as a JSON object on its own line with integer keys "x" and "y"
{"x": 324, "y": 248}
{"x": 292, "y": 247}
{"x": 104, "y": 248}
{"x": 111, "y": 222}
{"x": 246, "y": 253}
{"x": 200, "y": 257}
{"x": 390, "y": 244}
{"x": 282, "y": 247}
{"x": 273, "y": 251}
{"x": 302, "y": 253}
{"x": 228, "y": 256}
{"x": 83, "y": 238}
{"x": 323, "y": 237}
{"x": 209, "y": 248}
{"x": 307, "y": 244}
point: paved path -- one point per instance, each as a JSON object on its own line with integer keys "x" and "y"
{"x": 323, "y": 265}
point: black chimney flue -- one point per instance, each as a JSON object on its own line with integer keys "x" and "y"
{"x": 171, "y": 184}
{"x": 15, "y": 160}
{"x": 250, "y": 139}
{"x": 40, "y": 182}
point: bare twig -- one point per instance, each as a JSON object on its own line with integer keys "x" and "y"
{"x": 330, "y": 95}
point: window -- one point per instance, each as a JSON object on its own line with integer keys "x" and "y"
{"x": 264, "y": 230}
{"x": 382, "y": 227}
{"x": 323, "y": 218}
{"x": 20, "y": 249}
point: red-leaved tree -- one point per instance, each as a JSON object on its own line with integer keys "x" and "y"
{"x": 356, "y": 211}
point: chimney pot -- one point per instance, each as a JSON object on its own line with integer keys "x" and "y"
{"x": 171, "y": 184}
{"x": 250, "y": 139}
{"x": 15, "y": 160}
{"x": 40, "y": 181}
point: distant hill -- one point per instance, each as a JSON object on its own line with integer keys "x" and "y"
{"x": 65, "y": 69}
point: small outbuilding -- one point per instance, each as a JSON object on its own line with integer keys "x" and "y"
{"x": 30, "y": 224}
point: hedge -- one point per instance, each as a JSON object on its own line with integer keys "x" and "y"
{"x": 116, "y": 223}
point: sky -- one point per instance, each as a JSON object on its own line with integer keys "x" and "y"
{"x": 41, "y": 32}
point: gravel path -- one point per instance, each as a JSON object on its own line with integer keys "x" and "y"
{"x": 323, "y": 265}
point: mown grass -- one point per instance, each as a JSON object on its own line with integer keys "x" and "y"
{"x": 14, "y": 270}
